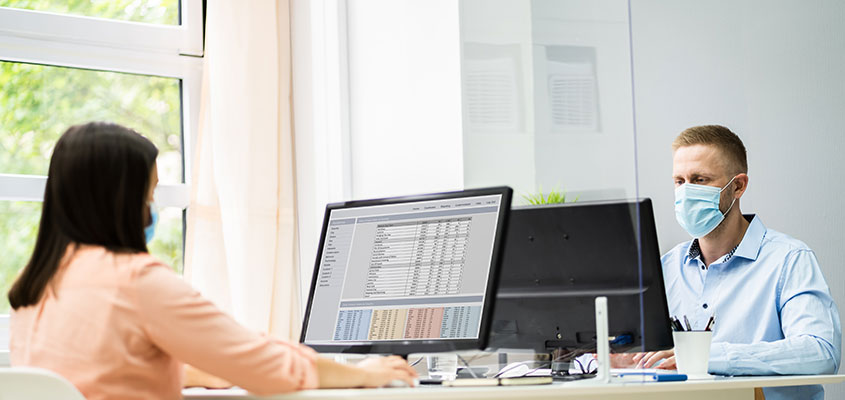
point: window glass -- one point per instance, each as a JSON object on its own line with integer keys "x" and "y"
{"x": 19, "y": 227}
{"x": 38, "y": 103}
{"x": 167, "y": 243}
{"x": 149, "y": 11}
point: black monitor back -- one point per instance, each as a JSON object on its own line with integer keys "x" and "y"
{"x": 559, "y": 258}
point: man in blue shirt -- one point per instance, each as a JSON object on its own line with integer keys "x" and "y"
{"x": 773, "y": 311}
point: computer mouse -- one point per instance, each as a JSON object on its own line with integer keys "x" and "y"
{"x": 398, "y": 383}
{"x": 513, "y": 370}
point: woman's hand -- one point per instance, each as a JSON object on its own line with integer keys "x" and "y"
{"x": 380, "y": 371}
{"x": 647, "y": 360}
{"x": 372, "y": 372}
{"x": 196, "y": 378}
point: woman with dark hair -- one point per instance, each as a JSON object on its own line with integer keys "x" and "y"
{"x": 95, "y": 307}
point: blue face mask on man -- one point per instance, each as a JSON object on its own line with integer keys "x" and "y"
{"x": 150, "y": 230}
{"x": 697, "y": 208}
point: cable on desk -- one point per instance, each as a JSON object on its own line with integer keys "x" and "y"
{"x": 510, "y": 367}
{"x": 466, "y": 364}
{"x": 581, "y": 366}
{"x": 549, "y": 364}
{"x": 588, "y": 371}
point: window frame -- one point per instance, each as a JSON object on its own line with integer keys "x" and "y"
{"x": 65, "y": 40}
{"x": 4, "y": 336}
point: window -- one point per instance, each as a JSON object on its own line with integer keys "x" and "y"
{"x": 134, "y": 62}
{"x": 149, "y": 11}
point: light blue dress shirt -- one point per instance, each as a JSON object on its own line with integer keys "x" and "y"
{"x": 773, "y": 309}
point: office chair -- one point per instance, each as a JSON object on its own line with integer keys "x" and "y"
{"x": 35, "y": 384}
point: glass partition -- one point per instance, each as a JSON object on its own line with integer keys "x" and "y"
{"x": 547, "y": 98}
{"x": 548, "y": 90}
{"x": 772, "y": 74}
{"x": 548, "y": 109}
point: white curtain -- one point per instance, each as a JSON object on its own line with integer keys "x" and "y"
{"x": 241, "y": 244}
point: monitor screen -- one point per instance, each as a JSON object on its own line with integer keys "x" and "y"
{"x": 558, "y": 258}
{"x": 403, "y": 275}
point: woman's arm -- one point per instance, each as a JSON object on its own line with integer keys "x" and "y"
{"x": 191, "y": 329}
{"x": 193, "y": 377}
{"x": 372, "y": 372}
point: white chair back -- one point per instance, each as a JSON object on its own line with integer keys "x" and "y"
{"x": 28, "y": 383}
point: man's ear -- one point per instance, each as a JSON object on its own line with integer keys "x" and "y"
{"x": 740, "y": 184}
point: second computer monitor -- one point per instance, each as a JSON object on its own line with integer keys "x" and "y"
{"x": 558, "y": 258}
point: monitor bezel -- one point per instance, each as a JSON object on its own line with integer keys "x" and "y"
{"x": 405, "y": 347}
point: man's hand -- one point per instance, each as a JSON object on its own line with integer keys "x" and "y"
{"x": 647, "y": 360}
{"x": 623, "y": 360}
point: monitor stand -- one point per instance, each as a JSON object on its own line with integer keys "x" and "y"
{"x": 560, "y": 369}
{"x": 562, "y": 359}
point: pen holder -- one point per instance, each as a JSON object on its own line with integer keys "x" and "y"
{"x": 692, "y": 353}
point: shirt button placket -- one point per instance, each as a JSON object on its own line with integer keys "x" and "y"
{"x": 710, "y": 281}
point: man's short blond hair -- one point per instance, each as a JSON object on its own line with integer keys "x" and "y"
{"x": 727, "y": 142}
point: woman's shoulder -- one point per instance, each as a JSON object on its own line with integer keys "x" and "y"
{"x": 140, "y": 264}
{"x": 142, "y": 276}
{"x": 100, "y": 260}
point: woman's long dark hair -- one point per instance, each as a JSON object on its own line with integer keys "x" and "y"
{"x": 96, "y": 194}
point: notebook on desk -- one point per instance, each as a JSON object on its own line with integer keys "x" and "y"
{"x": 526, "y": 380}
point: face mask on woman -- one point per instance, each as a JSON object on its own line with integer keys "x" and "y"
{"x": 150, "y": 230}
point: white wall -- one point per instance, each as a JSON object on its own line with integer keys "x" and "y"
{"x": 405, "y": 98}
{"x": 774, "y": 72}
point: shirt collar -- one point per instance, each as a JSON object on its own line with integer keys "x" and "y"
{"x": 694, "y": 251}
{"x": 748, "y": 248}
{"x": 750, "y": 245}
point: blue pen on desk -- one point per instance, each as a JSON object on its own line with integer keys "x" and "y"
{"x": 651, "y": 376}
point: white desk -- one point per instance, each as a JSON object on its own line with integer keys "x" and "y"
{"x": 722, "y": 388}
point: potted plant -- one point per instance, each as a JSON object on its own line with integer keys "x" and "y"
{"x": 553, "y": 197}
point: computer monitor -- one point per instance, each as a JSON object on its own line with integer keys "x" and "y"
{"x": 407, "y": 275}
{"x": 559, "y": 258}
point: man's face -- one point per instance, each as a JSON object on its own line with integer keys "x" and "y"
{"x": 702, "y": 165}
{"x": 699, "y": 164}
